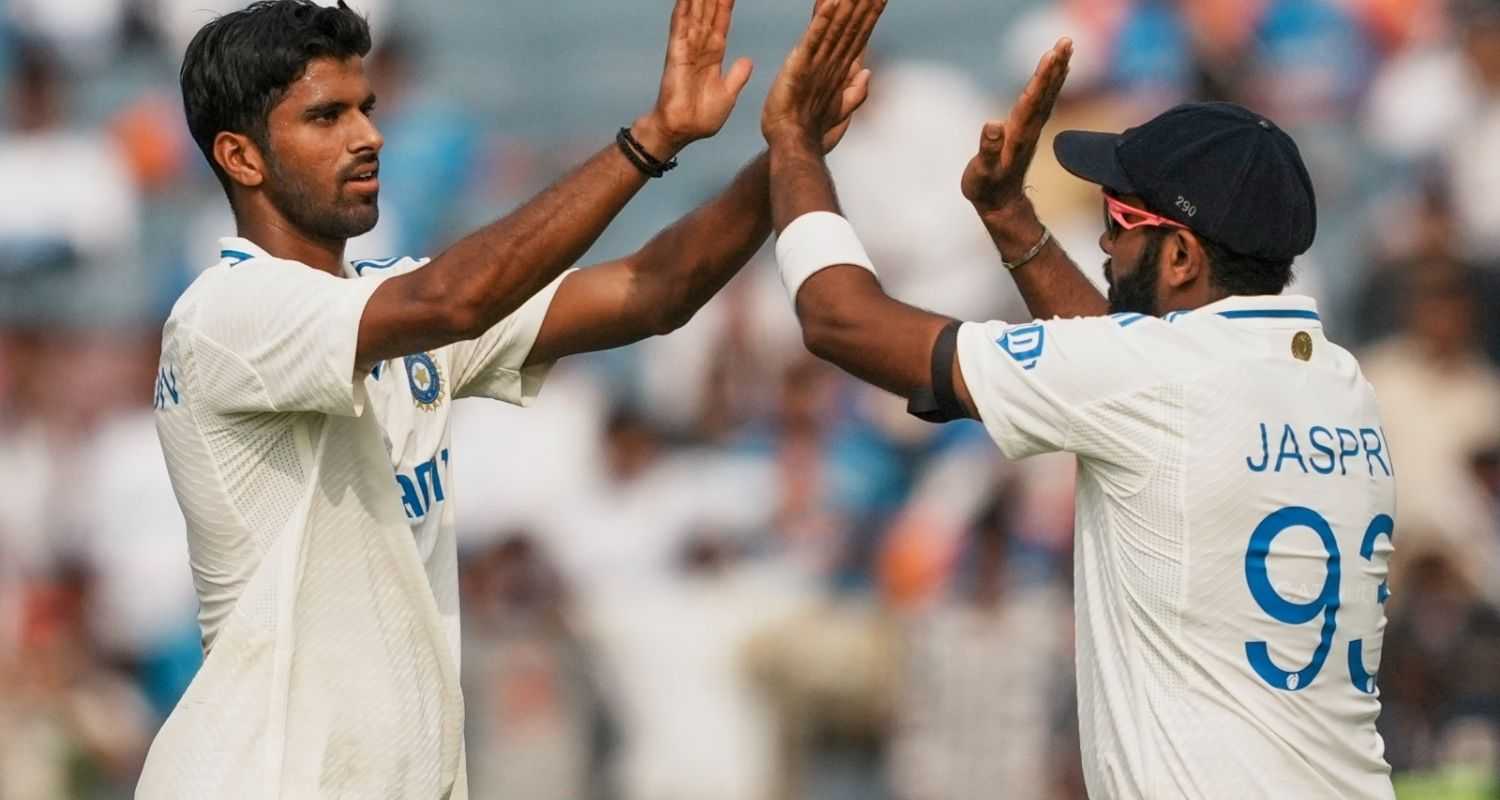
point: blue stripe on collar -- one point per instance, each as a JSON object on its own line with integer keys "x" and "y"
{"x": 237, "y": 255}
{"x": 1271, "y": 313}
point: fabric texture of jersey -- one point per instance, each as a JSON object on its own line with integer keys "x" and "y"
{"x": 320, "y": 533}
{"x": 1234, "y": 521}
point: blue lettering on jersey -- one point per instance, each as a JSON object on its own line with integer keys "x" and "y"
{"x": 1024, "y": 343}
{"x": 422, "y": 488}
{"x": 1333, "y": 449}
{"x": 166, "y": 388}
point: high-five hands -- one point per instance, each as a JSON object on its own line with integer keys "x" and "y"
{"x": 822, "y": 83}
{"x": 995, "y": 177}
{"x": 696, "y": 95}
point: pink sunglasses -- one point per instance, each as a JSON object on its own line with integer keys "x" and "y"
{"x": 1122, "y": 216}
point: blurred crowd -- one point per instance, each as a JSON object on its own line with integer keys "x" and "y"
{"x": 708, "y": 566}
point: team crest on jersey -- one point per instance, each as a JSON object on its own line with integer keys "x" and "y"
{"x": 426, "y": 381}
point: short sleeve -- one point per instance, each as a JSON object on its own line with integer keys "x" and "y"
{"x": 1078, "y": 385}
{"x": 283, "y": 336}
{"x": 494, "y": 364}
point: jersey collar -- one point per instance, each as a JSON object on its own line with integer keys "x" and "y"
{"x": 1270, "y": 311}
{"x": 236, "y": 250}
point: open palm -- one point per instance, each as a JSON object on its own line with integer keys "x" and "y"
{"x": 697, "y": 95}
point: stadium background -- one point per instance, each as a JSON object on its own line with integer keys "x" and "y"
{"x": 707, "y": 566}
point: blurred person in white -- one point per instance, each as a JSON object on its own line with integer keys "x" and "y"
{"x": 303, "y": 399}
{"x": 1439, "y": 102}
{"x": 1440, "y": 399}
{"x": 68, "y": 231}
{"x": 537, "y": 721}
{"x": 670, "y": 652}
{"x": 912, "y": 135}
{"x": 985, "y": 666}
{"x": 1197, "y": 674}
{"x": 71, "y": 724}
{"x": 628, "y": 514}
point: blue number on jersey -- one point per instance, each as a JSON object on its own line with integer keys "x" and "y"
{"x": 1326, "y": 603}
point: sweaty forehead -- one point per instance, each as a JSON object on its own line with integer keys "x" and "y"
{"x": 328, "y": 80}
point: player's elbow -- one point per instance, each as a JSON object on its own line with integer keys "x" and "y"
{"x": 822, "y": 334}
{"x": 665, "y": 320}
{"x": 660, "y": 306}
{"x": 464, "y": 316}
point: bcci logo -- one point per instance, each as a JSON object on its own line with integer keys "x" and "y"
{"x": 426, "y": 381}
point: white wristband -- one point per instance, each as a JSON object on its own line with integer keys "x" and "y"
{"x": 816, "y": 241}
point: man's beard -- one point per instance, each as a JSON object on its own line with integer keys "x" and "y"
{"x": 344, "y": 218}
{"x": 1136, "y": 292}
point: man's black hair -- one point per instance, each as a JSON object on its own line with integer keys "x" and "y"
{"x": 1236, "y": 274}
{"x": 238, "y": 67}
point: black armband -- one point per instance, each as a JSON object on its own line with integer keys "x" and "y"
{"x": 939, "y": 402}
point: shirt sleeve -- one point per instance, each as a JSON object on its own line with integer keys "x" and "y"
{"x": 281, "y": 336}
{"x": 494, "y": 364}
{"x": 1084, "y": 386}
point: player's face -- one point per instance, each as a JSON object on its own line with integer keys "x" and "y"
{"x": 324, "y": 159}
{"x": 1133, "y": 265}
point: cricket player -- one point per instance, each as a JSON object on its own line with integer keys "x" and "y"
{"x": 303, "y": 400}
{"x": 1234, "y": 489}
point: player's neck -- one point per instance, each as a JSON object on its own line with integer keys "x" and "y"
{"x": 281, "y": 240}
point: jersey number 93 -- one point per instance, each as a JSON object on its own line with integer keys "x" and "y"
{"x": 1326, "y": 603}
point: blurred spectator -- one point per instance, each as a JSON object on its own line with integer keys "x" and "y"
{"x": 1440, "y": 402}
{"x": 692, "y": 723}
{"x": 68, "y": 246}
{"x": 831, "y": 674}
{"x": 1437, "y": 668}
{"x": 70, "y": 725}
{"x": 537, "y": 724}
{"x": 628, "y": 526}
{"x": 987, "y": 663}
{"x": 898, "y": 172}
{"x": 1441, "y": 104}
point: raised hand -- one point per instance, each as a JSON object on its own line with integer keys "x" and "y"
{"x": 822, "y": 82}
{"x": 995, "y": 177}
{"x": 696, "y": 95}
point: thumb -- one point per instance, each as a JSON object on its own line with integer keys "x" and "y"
{"x": 739, "y": 75}
{"x": 992, "y": 141}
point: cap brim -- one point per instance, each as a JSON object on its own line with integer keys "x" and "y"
{"x": 1091, "y": 156}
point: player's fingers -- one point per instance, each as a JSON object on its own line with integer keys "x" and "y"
{"x": 852, "y": 39}
{"x": 843, "y": 14}
{"x": 722, "y": 14}
{"x": 817, "y": 30}
{"x": 739, "y": 75}
{"x": 867, "y": 24}
{"x": 678, "y": 24}
{"x": 700, "y": 11}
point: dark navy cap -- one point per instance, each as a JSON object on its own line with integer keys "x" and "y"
{"x": 1227, "y": 173}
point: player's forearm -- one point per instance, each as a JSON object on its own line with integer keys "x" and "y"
{"x": 1051, "y": 284}
{"x": 850, "y": 322}
{"x": 490, "y": 273}
{"x": 846, "y": 318}
{"x": 688, "y": 263}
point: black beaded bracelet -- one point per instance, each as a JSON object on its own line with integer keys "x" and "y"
{"x": 649, "y": 165}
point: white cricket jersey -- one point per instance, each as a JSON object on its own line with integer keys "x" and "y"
{"x": 320, "y": 530}
{"x": 1233, "y": 527}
